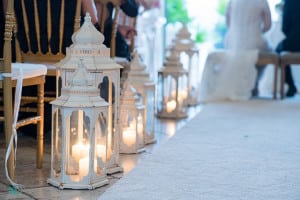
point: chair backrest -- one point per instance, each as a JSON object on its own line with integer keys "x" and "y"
{"x": 8, "y": 24}
{"x": 45, "y": 28}
{"x": 104, "y": 15}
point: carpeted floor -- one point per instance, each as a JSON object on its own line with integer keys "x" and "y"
{"x": 229, "y": 151}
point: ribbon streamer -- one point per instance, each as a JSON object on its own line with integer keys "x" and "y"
{"x": 14, "y": 136}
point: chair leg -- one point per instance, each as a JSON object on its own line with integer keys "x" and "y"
{"x": 282, "y": 81}
{"x": 40, "y": 127}
{"x": 8, "y": 121}
{"x": 275, "y": 82}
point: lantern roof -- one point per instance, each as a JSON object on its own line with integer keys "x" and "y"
{"x": 88, "y": 44}
{"x": 183, "y": 41}
{"x": 137, "y": 70}
{"x": 81, "y": 92}
{"x": 184, "y": 32}
{"x": 129, "y": 96}
{"x": 172, "y": 64}
{"x": 88, "y": 34}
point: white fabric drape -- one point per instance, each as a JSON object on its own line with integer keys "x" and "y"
{"x": 14, "y": 137}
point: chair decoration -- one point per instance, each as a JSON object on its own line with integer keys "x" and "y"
{"x": 13, "y": 141}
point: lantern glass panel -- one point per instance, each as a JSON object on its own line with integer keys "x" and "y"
{"x": 108, "y": 93}
{"x": 160, "y": 92}
{"x": 100, "y": 143}
{"x": 56, "y": 143}
{"x": 185, "y": 60}
{"x": 149, "y": 111}
{"x": 182, "y": 91}
{"x": 169, "y": 93}
{"x": 78, "y": 144}
{"x": 140, "y": 130}
{"x": 170, "y": 88}
{"x": 128, "y": 129}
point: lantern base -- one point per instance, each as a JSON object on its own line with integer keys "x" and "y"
{"x": 193, "y": 102}
{"x": 129, "y": 151}
{"x": 172, "y": 115}
{"x": 113, "y": 170}
{"x": 150, "y": 140}
{"x": 77, "y": 186}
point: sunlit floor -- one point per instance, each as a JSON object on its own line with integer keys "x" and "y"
{"x": 35, "y": 180}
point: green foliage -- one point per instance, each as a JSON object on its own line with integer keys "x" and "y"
{"x": 201, "y": 36}
{"x": 176, "y": 11}
{"x": 222, "y": 5}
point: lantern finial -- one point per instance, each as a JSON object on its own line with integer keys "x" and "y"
{"x": 88, "y": 34}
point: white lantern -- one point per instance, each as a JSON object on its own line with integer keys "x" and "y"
{"x": 132, "y": 122}
{"x": 189, "y": 57}
{"x": 79, "y": 135}
{"x": 140, "y": 80}
{"x": 88, "y": 46}
{"x": 172, "y": 89}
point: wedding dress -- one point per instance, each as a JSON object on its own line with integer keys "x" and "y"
{"x": 230, "y": 74}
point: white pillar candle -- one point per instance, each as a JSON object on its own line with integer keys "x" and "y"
{"x": 84, "y": 166}
{"x": 171, "y": 106}
{"x": 79, "y": 151}
{"x": 129, "y": 136}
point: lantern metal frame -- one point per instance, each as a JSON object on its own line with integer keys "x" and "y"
{"x": 79, "y": 135}
{"x": 88, "y": 46}
{"x": 189, "y": 57}
{"x": 132, "y": 122}
{"x": 139, "y": 78}
{"x": 172, "y": 88}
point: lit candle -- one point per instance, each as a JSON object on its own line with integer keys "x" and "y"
{"x": 79, "y": 151}
{"x": 101, "y": 151}
{"x": 171, "y": 106}
{"x": 84, "y": 166}
{"x": 183, "y": 94}
{"x": 129, "y": 136}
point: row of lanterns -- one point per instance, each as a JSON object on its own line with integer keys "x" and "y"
{"x": 179, "y": 78}
{"x": 97, "y": 117}
{"x": 93, "y": 120}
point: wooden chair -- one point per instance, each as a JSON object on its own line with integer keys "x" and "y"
{"x": 103, "y": 14}
{"x": 287, "y": 58}
{"x": 265, "y": 58}
{"x": 33, "y": 74}
{"x": 41, "y": 37}
{"x": 44, "y": 32}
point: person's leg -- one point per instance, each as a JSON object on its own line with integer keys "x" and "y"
{"x": 292, "y": 90}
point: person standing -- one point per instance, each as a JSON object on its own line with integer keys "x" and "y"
{"x": 291, "y": 42}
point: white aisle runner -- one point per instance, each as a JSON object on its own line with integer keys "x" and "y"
{"x": 247, "y": 150}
